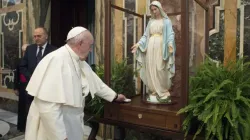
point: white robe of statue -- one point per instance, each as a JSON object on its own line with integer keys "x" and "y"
{"x": 158, "y": 76}
{"x": 59, "y": 84}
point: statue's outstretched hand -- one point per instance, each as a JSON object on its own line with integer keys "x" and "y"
{"x": 134, "y": 48}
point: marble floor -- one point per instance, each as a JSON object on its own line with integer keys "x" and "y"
{"x": 22, "y": 138}
{"x": 8, "y": 116}
{"x": 88, "y": 129}
{"x": 85, "y": 137}
{"x": 8, "y": 122}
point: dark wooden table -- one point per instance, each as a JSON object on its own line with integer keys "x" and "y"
{"x": 166, "y": 133}
{"x": 156, "y": 119}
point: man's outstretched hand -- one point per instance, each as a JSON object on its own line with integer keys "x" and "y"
{"x": 120, "y": 98}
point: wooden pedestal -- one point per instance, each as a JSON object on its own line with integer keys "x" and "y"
{"x": 149, "y": 115}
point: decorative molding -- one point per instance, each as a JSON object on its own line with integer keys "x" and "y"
{"x": 2, "y": 50}
{"x": 10, "y": 23}
{"x": 5, "y": 2}
{"x": 216, "y": 29}
{"x": 125, "y": 35}
{"x": 217, "y": 18}
{"x": 218, "y": 9}
{"x": 147, "y": 7}
{"x": 12, "y": 8}
{"x": 125, "y": 29}
{"x": 8, "y": 77}
{"x": 20, "y": 43}
{"x": 242, "y": 24}
{"x": 192, "y": 53}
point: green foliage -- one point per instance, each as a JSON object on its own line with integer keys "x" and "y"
{"x": 121, "y": 82}
{"x": 219, "y": 102}
{"x": 122, "y": 78}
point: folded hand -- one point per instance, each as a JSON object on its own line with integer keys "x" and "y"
{"x": 16, "y": 92}
{"x": 170, "y": 49}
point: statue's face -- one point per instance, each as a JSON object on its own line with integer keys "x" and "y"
{"x": 155, "y": 11}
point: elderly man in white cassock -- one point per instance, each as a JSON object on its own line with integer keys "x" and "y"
{"x": 59, "y": 84}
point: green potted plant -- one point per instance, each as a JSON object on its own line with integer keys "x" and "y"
{"x": 121, "y": 82}
{"x": 219, "y": 102}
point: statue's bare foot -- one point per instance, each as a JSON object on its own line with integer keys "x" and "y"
{"x": 167, "y": 94}
{"x": 164, "y": 99}
{"x": 153, "y": 93}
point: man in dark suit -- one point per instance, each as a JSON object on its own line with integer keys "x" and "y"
{"x": 33, "y": 55}
{"x": 20, "y": 84}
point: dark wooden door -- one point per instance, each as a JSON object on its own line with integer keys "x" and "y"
{"x": 66, "y": 14}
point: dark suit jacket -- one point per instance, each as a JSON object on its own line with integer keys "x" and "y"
{"x": 19, "y": 79}
{"x": 29, "y": 61}
{"x": 17, "y": 74}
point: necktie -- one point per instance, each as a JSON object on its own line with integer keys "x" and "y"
{"x": 39, "y": 55}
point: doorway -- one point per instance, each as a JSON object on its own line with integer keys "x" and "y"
{"x": 66, "y": 14}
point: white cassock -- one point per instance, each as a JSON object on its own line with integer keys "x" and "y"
{"x": 59, "y": 84}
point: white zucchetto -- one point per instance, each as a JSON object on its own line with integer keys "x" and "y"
{"x": 75, "y": 31}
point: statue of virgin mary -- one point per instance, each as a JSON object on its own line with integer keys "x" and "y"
{"x": 155, "y": 53}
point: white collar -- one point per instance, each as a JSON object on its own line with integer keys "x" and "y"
{"x": 44, "y": 46}
{"x": 72, "y": 53}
